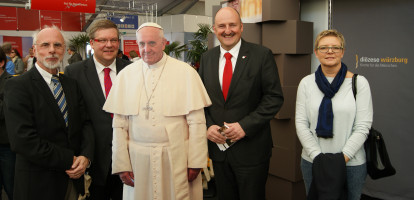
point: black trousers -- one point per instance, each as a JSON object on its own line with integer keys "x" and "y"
{"x": 236, "y": 182}
{"x": 111, "y": 190}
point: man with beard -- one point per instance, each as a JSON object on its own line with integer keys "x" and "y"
{"x": 47, "y": 126}
{"x": 95, "y": 76}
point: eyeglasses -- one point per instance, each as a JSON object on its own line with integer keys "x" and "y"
{"x": 46, "y": 45}
{"x": 325, "y": 49}
{"x": 105, "y": 41}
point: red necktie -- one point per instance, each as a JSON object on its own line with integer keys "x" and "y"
{"x": 107, "y": 81}
{"x": 227, "y": 74}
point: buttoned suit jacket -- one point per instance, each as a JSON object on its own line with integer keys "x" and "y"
{"x": 253, "y": 99}
{"x": 44, "y": 146}
{"x": 86, "y": 75}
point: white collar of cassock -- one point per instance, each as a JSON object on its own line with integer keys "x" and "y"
{"x": 156, "y": 65}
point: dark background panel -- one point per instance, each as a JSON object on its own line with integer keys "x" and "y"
{"x": 376, "y": 32}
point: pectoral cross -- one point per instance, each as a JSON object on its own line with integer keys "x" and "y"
{"x": 147, "y": 109}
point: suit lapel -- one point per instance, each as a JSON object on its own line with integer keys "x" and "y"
{"x": 119, "y": 66}
{"x": 92, "y": 76}
{"x": 241, "y": 64}
{"x": 215, "y": 74}
{"x": 44, "y": 90}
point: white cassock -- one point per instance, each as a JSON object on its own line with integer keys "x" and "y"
{"x": 160, "y": 148}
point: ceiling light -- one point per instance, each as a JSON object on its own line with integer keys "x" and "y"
{"x": 122, "y": 19}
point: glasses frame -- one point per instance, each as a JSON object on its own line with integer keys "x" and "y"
{"x": 46, "y": 45}
{"x": 334, "y": 49}
{"x": 105, "y": 41}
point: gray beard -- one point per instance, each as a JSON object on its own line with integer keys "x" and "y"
{"x": 51, "y": 66}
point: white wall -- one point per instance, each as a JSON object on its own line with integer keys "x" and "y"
{"x": 315, "y": 11}
{"x": 209, "y": 7}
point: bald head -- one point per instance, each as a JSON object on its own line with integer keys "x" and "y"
{"x": 228, "y": 27}
{"x": 227, "y": 10}
{"x": 49, "y": 48}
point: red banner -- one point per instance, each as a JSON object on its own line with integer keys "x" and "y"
{"x": 16, "y": 42}
{"x": 84, "y": 6}
{"x": 71, "y": 21}
{"x": 8, "y": 18}
{"x": 50, "y": 18}
{"x": 28, "y": 19}
{"x": 130, "y": 45}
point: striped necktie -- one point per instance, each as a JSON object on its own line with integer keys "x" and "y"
{"x": 60, "y": 98}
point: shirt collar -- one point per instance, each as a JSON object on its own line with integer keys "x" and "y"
{"x": 45, "y": 75}
{"x": 100, "y": 67}
{"x": 234, "y": 51}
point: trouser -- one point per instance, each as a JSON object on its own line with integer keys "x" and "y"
{"x": 240, "y": 182}
{"x": 111, "y": 190}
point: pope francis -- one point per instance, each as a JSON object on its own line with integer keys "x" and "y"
{"x": 159, "y": 142}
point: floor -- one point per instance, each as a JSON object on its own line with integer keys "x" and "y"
{"x": 208, "y": 194}
{"x": 363, "y": 197}
{"x": 211, "y": 193}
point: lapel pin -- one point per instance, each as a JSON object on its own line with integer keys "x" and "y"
{"x": 243, "y": 57}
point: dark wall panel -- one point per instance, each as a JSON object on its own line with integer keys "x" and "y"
{"x": 379, "y": 36}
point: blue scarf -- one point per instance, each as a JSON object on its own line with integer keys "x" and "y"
{"x": 325, "y": 118}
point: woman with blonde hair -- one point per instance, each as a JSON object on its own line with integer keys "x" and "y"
{"x": 332, "y": 124}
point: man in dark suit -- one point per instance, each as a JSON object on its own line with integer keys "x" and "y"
{"x": 245, "y": 90}
{"x": 93, "y": 76}
{"x": 47, "y": 126}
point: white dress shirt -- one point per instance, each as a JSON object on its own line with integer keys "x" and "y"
{"x": 100, "y": 70}
{"x": 222, "y": 61}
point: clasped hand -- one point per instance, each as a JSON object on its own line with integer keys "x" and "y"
{"x": 235, "y": 132}
{"x": 78, "y": 167}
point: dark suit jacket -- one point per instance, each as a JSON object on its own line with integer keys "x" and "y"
{"x": 44, "y": 146}
{"x": 76, "y": 57}
{"x": 4, "y": 139}
{"x": 254, "y": 97}
{"x": 85, "y": 74}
